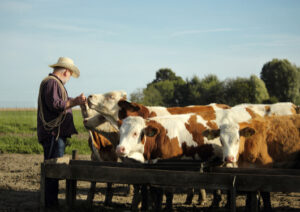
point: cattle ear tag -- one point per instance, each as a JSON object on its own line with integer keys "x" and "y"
{"x": 211, "y": 134}
{"x": 247, "y": 132}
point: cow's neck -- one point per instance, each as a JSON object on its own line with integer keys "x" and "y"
{"x": 113, "y": 121}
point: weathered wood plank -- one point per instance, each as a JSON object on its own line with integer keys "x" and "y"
{"x": 164, "y": 166}
{"x": 189, "y": 165}
{"x": 268, "y": 183}
{"x": 256, "y": 171}
{"x": 156, "y": 177}
{"x": 59, "y": 171}
{"x": 244, "y": 181}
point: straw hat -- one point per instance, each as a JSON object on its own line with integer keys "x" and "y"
{"x": 67, "y": 63}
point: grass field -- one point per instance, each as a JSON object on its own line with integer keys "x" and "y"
{"x": 18, "y": 133}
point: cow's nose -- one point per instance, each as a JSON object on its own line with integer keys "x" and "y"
{"x": 90, "y": 96}
{"x": 120, "y": 150}
{"x": 229, "y": 159}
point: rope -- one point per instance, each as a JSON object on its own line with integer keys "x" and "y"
{"x": 48, "y": 126}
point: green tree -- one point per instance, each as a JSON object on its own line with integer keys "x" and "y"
{"x": 191, "y": 92}
{"x": 282, "y": 80}
{"x": 237, "y": 91}
{"x": 152, "y": 96}
{"x": 212, "y": 90}
{"x": 165, "y": 74}
{"x": 259, "y": 92}
{"x": 163, "y": 88}
{"x": 244, "y": 90}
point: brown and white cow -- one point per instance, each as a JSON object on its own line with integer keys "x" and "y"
{"x": 166, "y": 137}
{"x": 228, "y": 123}
{"x": 261, "y": 142}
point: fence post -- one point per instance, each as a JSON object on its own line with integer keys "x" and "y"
{"x": 42, "y": 188}
{"x": 71, "y": 186}
{"x": 233, "y": 196}
{"x": 254, "y": 201}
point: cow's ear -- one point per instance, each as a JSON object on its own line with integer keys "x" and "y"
{"x": 247, "y": 132}
{"x": 128, "y": 105}
{"x": 123, "y": 103}
{"x": 211, "y": 134}
{"x": 150, "y": 131}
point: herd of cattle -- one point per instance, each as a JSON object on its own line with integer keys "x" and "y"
{"x": 246, "y": 135}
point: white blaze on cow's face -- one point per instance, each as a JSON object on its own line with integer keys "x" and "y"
{"x": 107, "y": 103}
{"x": 131, "y": 132}
{"x": 230, "y": 140}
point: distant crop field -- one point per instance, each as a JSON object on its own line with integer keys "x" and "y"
{"x": 18, "y": 132}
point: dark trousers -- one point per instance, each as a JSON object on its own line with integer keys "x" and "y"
{"x": 52, "y": 149}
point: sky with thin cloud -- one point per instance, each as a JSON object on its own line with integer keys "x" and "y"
{"x": 119, "y": 45}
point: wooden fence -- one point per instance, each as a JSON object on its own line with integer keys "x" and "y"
{"x": 177, "y": 174}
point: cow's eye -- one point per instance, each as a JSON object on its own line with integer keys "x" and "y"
{"x": 135, "y": 134}
{"x": 110, "y": 97}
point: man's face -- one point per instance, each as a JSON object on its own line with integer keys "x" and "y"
{"x": 67, "y": 75}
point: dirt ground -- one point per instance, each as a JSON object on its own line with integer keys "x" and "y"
{"x": 20, "y": 183}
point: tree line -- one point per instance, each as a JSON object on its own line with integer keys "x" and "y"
{"x": 279, "y": 82}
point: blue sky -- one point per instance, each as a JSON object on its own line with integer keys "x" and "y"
{"x": 119, "y": 45}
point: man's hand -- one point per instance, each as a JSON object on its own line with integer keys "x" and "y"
{"x": 79, "y": 100}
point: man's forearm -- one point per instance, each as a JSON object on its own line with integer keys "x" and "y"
{"x": 70, "y": 103}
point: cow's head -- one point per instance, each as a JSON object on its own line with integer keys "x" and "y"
{"x": 229, "y": 134}
{"x": 92, "y": 120}
{"x": 107, "y": 104}
{"x": 131, "y": 138}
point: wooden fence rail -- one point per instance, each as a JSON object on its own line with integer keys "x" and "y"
{"x": 164, "y": 174}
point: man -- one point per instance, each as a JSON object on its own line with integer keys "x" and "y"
{"x": 55, "y": 120}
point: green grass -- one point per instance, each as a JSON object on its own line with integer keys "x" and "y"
{"x": 18, "y": 133}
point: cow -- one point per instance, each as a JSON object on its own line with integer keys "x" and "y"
{"x": 228, "y": 121}
{"x": 261, "y": 141}
{"x": 271, "y": 141}
{"x": 165, "y": 137}
{"x": 103, "y": 138}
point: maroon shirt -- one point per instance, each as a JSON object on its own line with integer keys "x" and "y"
{"x": 53, "y": 105}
